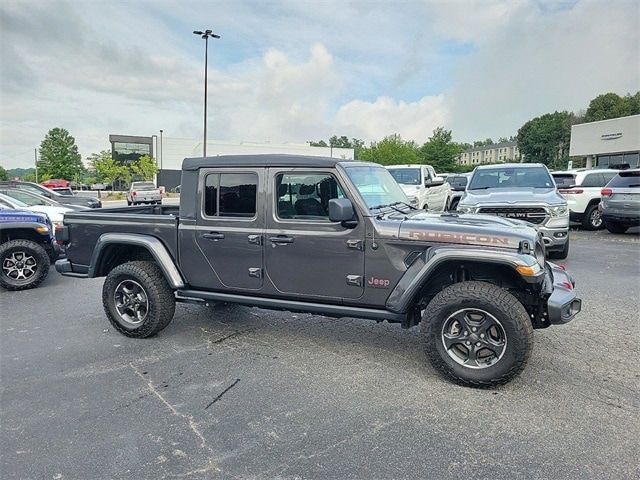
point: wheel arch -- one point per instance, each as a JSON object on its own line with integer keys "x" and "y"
{"x": 427, "y": 277}
{"x": 113, "y": 249}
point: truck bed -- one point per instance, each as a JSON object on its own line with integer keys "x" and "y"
{"x": 86, "y": 226}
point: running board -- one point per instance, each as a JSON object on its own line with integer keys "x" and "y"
{"x": 291, "y": 305}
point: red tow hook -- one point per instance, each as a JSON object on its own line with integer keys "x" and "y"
{"x": 563, "y": 267}
{"x": 567, "y": 285}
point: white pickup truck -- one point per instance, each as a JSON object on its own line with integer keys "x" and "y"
{"x": 143, "y": 192}
{"x": 425, "y": 189}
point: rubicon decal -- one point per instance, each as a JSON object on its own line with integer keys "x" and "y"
{"x": 463, "y": 238}
{"x": 378, "y": 282}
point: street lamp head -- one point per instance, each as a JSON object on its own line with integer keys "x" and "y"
{"x": 206, "y": 34}
{"x": 197, "y": 32}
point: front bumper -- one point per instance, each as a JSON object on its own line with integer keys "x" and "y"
{"x": 563, "y": 303}
{"x": 554, "y": 238}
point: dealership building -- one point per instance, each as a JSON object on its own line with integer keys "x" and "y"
{"x": 169, "y": 152}
{"x": 613, "y": 143}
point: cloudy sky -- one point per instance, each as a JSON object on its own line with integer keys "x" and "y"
{"x": 292, "y": 71}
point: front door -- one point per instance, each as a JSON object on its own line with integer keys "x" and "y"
{"x": 229, "y": 229}
{"x": 305, "y": 253}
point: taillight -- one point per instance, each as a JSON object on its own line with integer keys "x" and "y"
{"x": 575, "y": 191}
{"x": 606, "y": 192}
{"x": 134, "y": 193}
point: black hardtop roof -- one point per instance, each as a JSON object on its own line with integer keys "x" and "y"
{"x": 267, "y": 160}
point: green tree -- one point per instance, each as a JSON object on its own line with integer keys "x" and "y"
{"x": 612, "y": 105}
{"x": 440, "y": 151}
{"x": 106, "y": 169}
{"x": 145, "y": 168}
{"x": 59, "y": 157}
{"x": 4, "y": 175}
{"x": 391, "y": 150}
{"x": 321, "y": 143}
{"x": 545, "y": 139}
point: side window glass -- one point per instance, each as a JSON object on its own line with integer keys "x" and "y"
{"x": 608, "y": 176}
{"x": 230, "y": 195}
{"x": 593, "y": 180}
{"x": 303, "y": 196}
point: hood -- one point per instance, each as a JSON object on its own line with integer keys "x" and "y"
{"x": 466, "y": 229}
{"x": 7, "y": 216}
{"x": 56, "y": 214}
{"x": 76, "y": 200}
{"x": 513, "y": 196}
{"x": 410, "y": 190}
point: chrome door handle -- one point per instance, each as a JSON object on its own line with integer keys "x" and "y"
{"x": 281, "y": 239}
{"x": 213, "y": 236}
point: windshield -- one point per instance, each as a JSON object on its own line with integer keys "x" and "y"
{"x": 13, "y": 203}
{"x": 406, "y": 176}
{"x": 25, "y": 198}
{"x": 143, "y": 186}
{"x": 457, "y": 181}
{"x": 376, "y": 186}
{"x": 628, "y": 179}
{"x": 511, "y": 177}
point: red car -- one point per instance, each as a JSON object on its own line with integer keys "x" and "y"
{"x": 56, "y": 183}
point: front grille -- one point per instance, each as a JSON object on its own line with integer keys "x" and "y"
{"x": 530, "y": 214}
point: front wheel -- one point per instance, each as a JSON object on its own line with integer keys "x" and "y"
{"x": 477, "y": 334}
{"x": 23, "y": 264}
{"x": 137, "y": 299}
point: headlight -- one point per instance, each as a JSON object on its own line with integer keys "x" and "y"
{"x": 413, "y": 200}
{"x": 465, "y": 209}
{"x": 560, "y": 211}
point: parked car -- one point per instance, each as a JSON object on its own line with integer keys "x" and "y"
{"x": 582, "y": 189}
{"x": 523, "y": 191}
{"x": 143, "y": 192}
{"x": 46, "y": 192}
{"x": 27, "y": 248}
{"x": 458, "y": 184}
{"x": 56, "y": 183}
{"x": 333, "y": 237}
{"x": 620, "y": 204}
{"x": 425, "y": 189}
{"x": 21, "y": 200}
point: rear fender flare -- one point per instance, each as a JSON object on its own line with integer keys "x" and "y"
{"x": 417, "y": 275}
{"x": 154, "y": 246}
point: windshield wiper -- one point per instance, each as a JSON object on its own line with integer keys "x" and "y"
{"x": 387, "y": 205}
{"x": 406, "y": 204}
{"x": 480, "y": 188}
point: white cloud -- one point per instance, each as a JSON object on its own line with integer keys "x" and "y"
{"x": 386, "y": 116}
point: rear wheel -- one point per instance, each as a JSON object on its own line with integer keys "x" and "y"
{"x": 454, "y": 205}
{"x": 137, "y": 299}
{"x": 592, "y": 219}
{"x": 477, "y": 334}
{"x": 615, "y": 227}
{"x": 23, "y": 264}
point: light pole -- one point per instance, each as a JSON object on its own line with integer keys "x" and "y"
{"x": 161, "y": 152}
{"x": 205, "y": 35}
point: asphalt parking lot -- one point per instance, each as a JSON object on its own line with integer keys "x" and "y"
{"x": 238, "y": 392}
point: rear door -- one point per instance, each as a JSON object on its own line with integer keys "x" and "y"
{"x": 306, "y": 254}
{"x": 229, "y": 229}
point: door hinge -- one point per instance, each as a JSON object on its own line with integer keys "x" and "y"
{"x": 355, "y": 280}
{"x": 355, "y": 244}
{"x": 255, "y": 272}
{"x": 255, "y": 239}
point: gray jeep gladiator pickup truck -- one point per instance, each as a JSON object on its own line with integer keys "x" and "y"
{"x": 333, "y": 237}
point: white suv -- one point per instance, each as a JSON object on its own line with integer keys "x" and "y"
{"x": 582, "y": 188}
{"x": 425, "y": 189}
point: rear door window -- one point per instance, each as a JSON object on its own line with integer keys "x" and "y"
{"x": 593, "y": 180}
{"x": 230, "y": 195}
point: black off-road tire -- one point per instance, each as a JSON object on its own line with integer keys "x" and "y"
{"x": 587, "y": 219}
{"x": 499, "y": 303}
{"x": 560, "y": 254}
{"x": 615, "y": 227}
{"x": 161, "y": 300}
{"x": 32, "y": 249}
{"x": 454, "y": 205}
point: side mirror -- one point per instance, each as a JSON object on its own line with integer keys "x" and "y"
{"x": 340, "y": 210}
{"x": 434, "y": 182}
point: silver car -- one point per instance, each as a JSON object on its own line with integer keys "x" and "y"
{"x": 620, "y": 202}
{"x": 522, "y": 191}
{"x": 143, "y": 192}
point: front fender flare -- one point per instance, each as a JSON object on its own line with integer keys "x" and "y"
{"x": 154, "y": 246}
{"x": 405, "y": 291}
